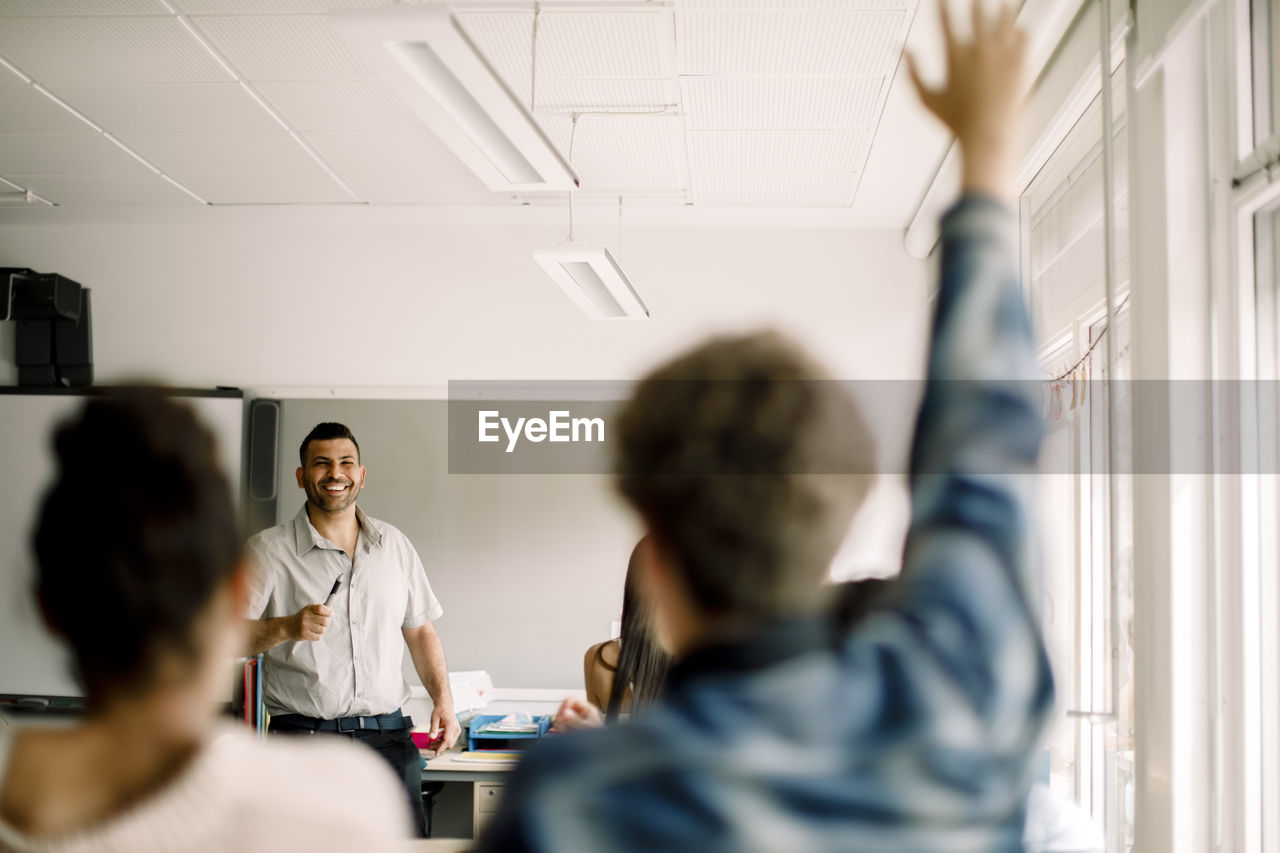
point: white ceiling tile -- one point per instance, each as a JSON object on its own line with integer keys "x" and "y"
{"x": 282, "y": 48}
{"x": 238, "y": 187}
{"x": 504, "y": 38}
{"x": 773, "y": 190}
{"x": 777, "y": 151}
{"x": 25, "y": 110}
{"x": 409, "y": 152}
{"x": 621, "y": 151}
{"x": 183, "y": 154}
{"x": 106, "y": 50}
{"x": 573, "y": 44}
{"x": 443, "y": 188}
{"x": 617, "y": 45}
{"x": 562, "y": 123}
{"x": 631, "y": 182}
{"x": 736, "y": 103}
{"x": 169, "y": 107}
{"x": 337, "y": 105}
{"x": 797, "y": 4}
{"x": 11, "y": 8}
{"x": 105, "y": 190}
{"x": 828, "y": 42}
{"x": 607, "y": 199}
{"x": 84, "y": 153}
{"x": 568, "y": 96}
{"x": 271, "y": 7}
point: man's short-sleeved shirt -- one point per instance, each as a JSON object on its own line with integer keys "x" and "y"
{"x": 354, "y": 669}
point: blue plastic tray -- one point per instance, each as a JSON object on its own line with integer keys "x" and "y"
{"x": 503, "y": 740}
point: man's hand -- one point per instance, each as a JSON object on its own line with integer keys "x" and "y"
{"x": 310, "y": 622}
{"x": 982, "y": 99}
{"x": 575, "y": 714}
{"x": 444, "y": 725}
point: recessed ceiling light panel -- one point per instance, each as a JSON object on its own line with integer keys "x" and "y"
{"x": 592, "y": 278}
{"x": 423, "y": 55}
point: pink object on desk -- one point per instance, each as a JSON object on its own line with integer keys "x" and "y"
{"x": 424, "y": 740}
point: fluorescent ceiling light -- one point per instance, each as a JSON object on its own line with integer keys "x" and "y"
{"x": 18, "y": 197}
{"x": 592, "y": 278}
{"x": 427, "y": 60}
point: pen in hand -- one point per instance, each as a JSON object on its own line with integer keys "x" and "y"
{"x": 328, "y": 602}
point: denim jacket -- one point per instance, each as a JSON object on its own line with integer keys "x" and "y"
{"x": 916, "y": 731}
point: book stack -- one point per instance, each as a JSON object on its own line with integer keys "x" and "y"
{"x": 253, "y": 712}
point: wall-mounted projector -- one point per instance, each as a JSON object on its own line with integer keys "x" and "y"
{"x": 54, "y": 342}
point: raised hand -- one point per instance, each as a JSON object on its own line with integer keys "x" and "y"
{"x": 981, "y": 101}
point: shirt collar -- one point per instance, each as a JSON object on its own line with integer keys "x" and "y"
{"x": 770, "y": 644}
{"x": 306, "y": 536}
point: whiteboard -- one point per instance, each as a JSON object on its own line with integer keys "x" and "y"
{"x": 32, "y": 661}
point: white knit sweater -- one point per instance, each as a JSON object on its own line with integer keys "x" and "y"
{"x": 242, "y": 795}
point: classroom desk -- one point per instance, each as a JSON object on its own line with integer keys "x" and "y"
{"x": 485, "y": 783}
{"x": 447, "y": 768}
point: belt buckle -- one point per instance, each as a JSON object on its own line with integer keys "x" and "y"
{"x": 349, "y": 724}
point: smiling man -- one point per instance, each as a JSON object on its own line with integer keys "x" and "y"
{"x": 337, "y": 596}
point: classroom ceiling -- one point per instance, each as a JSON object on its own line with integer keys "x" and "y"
{"x": 721, "y": 104}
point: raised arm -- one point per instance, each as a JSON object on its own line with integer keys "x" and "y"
{"x": 967, "y": 625}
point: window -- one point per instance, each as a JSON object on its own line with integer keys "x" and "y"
{"x": 1086, "y": 523}
{"x": 1260, "y": 586}
{"x": 1250, "y": 689}
{"x": 1264, "y": 25}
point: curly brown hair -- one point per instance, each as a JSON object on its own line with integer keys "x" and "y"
{"x": 747, "y": 463}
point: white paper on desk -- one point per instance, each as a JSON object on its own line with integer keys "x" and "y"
{"x": 518, "y": 723}
{"x": 470, "y": 689}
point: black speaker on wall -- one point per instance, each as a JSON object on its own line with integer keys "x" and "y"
{"x": 54, "y": 341}
{"x": 264, "y": 469}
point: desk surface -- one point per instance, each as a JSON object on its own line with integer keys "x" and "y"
{"x": 450, "y": 767}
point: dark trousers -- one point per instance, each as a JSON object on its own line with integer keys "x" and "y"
{"x": 396, "y": 748}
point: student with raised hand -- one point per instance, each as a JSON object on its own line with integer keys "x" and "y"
{"x": 139, "y": 570}
{"x": 917, "y": 730}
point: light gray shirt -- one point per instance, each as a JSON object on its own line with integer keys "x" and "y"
{"x": 354, "y": 669}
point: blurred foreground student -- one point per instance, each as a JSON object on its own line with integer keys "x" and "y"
{"x": 916, "y": 733}
{"x": 139, "y": 571}
{"x": 622, "y": 675}
{"x": 1055, "y": 823}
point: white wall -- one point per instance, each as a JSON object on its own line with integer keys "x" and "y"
{"x": 288, "y": 297}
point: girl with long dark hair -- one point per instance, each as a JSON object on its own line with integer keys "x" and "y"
{"x": 623, "y": 675}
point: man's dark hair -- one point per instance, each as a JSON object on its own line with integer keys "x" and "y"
{"x": 133, "y": 538}
{"x": 327, "y": 431}
{"x": 747, "y": 464}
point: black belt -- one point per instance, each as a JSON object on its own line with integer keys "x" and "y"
{"x": 395, "y": 721}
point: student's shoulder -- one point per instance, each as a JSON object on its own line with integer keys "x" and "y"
{"x": 598, "y": 759}
{"x": 323, "y": 784}
{"x": 605, "y": 652}
{"x": 587, "y": 785}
